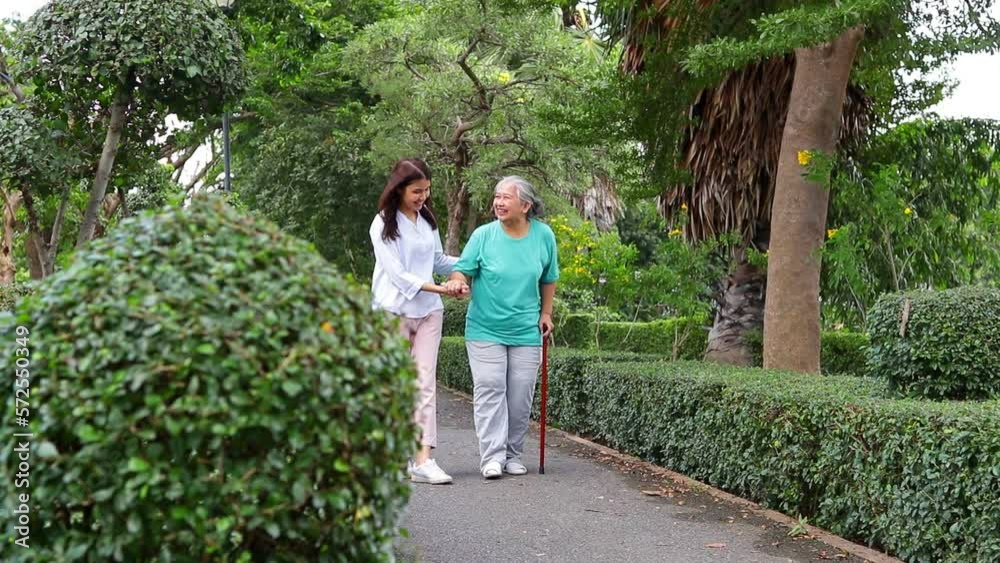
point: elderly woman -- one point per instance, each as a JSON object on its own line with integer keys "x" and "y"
{"x": 512, "y": 265}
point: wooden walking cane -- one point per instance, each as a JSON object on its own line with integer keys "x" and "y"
{"x": 545, "y": 398}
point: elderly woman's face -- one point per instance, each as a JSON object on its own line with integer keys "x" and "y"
{"x": 506, "y": 204}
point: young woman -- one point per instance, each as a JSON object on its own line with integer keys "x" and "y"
{"x": 513, "y": 265}
{"x": 408, "y": 252}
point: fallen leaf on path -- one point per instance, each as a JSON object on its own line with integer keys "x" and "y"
{"x": 715, "y": 545}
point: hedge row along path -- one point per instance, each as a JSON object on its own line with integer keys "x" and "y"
{"x": 589, "y": 506}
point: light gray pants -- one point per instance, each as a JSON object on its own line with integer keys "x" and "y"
{"x": 504, "y": 385}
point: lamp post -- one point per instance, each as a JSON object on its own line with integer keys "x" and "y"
{"x": 226, "y": 161}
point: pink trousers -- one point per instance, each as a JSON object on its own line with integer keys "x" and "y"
{"x": 424, "y": 335}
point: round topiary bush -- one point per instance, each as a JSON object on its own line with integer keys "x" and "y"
{"x": 937, "y": 344}
{"x": 207, "y": 388}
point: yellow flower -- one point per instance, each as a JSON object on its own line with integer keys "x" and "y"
{"x": 327, "y": 327}
{"x": 804, "y": 158}
{"x": 519, "y": 100}
{"x": 907, "y": 211}
{"x": 684, "y": 207}
{"x": 831, "y": 233}
{"x": 504, "y": 77}
{"x": 676, "y": 233}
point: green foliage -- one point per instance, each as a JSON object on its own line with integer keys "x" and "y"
{"x": 941, "y": 345}
{"x": 780, "y": 32}
{"x": 599, "y": 271}
{"x": 34, "y": 151}
{"x": 11, "y": 293}
{"x": 208, "y": 388}
{"x": 566, "y": 370}
{"x": 301, "y": 159}
{"x": 152, "y": 189}
{"x": 309, "y": 176}
{"x": 678, "y": 339}
{"x": 574, "y": 330}
{"x": 187, "y": 58}
{"x": 841, "y": 353}
{"x": 454, "y": 316}
{"x": 907, "y": 43}
{"x": 930, "y": 218}
{"x": 468, "y": 87}
{"x": 917, "y": 479}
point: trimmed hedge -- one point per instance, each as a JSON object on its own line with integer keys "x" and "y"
{"x": 681, "y": 338}
{"x": 205, "y": 387}
{"x": 915, "y": 478}
{"x": 574, "y": 331}
{"x": 454, "y": 316}
{"x": 947, "y": 348}
{"x": 566, "y": 366}
{"x": 689, "y": 335}
{"x": 841, "y": 352}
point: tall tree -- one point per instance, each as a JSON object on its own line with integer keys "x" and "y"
{"x": 130, "y": 64}
{"x": 730, "y": 55}
{"x": 299, "y": 151}
{"x": 466, "y": 85}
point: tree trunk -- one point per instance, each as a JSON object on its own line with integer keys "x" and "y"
{"x": 741, "y": 310}
{"x": 111, "y": 142}
{"x": 8, "y": 268}
{"x": 798, "y": 216}
{"x": 458, "y": 210}
{"x": 37, "y": 247}
{"x": 36, "y": 262}
{"x": 57, "y": 225}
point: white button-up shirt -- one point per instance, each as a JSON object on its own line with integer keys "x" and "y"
{"x": 403, "y": 265}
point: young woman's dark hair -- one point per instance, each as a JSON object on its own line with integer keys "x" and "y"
{"x": 404, "y": 173}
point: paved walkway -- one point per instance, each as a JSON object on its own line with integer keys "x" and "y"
{"x": 587, "y": 507}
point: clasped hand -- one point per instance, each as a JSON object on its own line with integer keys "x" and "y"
{"x": 456, "y": 288}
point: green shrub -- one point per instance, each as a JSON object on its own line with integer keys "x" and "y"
{"x": 682, "y": 338}
{"x": 10, "y": 293}
{"x": 915, "y": 478}
{"x": 574, "y": 330}
{"x": 210, "y": 389}
{"x": 841, "y": 352}
{"x": 949, "y": 346}
{"x": 454, "y": 316}
{"x": 566, "y": 367}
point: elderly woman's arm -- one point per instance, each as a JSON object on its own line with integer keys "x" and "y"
{"x": 545, "y": 321}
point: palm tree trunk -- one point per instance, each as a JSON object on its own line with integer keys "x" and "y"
{"x": 798, "y": 217}
{"x": 741, "y": 310}
{"x": 117, "y": 124}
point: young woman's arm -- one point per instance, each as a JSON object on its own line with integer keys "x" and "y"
{"x": 388, "y": 257}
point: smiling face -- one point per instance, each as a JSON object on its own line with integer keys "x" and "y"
{"x": 415, "y": 195}
{"x": 508, "y": 206}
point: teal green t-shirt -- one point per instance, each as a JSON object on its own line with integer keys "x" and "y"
{"x": 506, "y": 273}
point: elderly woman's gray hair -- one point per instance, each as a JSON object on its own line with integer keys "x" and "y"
{"x": 525, "y": 192}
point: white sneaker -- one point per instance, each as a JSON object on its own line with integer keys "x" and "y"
{"x": 428, "y": 472}
{"x": 492, "y": 470}
{"x": 515, "y": 467}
